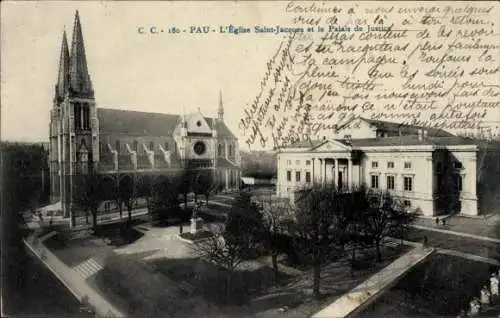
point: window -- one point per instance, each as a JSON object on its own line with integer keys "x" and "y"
{"x": 308, "y": 162}
{"x": 289, "y": 162}
{"x": 374, "y": 183}
{"x": 117, "y": 146}
{"x": 135, "y": 145}
{"x": 166, "y": 146}
{"x": 297, "y": 162}
{"x": 459, "y": 183}
{"x": 151, "y": 145}
{"x": 230, "y": 152}
{"x": 390, "y": 182}
{"x": 297, "y": 176}
{"x": 374, "y": 164}
{"x": 220, "y": 150}
{"x": 408, "y": 183}
{"x": 347, "y": 136}
{"x": 390, "y": 164}
{"x": 457, "y": 165}
{"x": 439, "y": 167}
{"x": 308, "y": 177}
{"x": 407, "y": 203}
{"x": 288, "y": 176}
{"x": 407, "y": 165}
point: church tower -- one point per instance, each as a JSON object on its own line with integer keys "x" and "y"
{"x": 74, "y": 130}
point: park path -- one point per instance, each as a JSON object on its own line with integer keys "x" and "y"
{"x": 75, "y": 283}
{"x": 366, "y": 292}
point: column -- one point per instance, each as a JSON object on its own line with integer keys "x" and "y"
{"x": 336, "y": 175}
{"x": 313, "y": 176}
{"x": 349, "y": 173}
{"x": 324, "y": 172}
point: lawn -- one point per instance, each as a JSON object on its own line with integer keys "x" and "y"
{"x": 211, "y": 281}
{"x": 441, "y": 286}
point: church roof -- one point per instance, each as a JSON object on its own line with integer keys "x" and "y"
{"x": 129, "y": 122}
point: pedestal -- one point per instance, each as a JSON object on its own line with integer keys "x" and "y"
{"x": 196, "y": 224}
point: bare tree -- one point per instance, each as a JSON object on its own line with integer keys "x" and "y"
{"x": 278, "y": 215}
{"x": 221, "y": 252}
{"x": 144, "y": 188}
{"x": 384, "y": 217}
{"x": 318, "y": 232}
{"x": 128, "y": 194}
{"x": 89, "y": 195}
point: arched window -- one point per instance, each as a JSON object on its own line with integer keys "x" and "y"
{"x": 151, "y": 146}
{"x": 166, "y": 146}
{"x": 135, "y": 145}
{"x": 219, "y": 152}
{"x": 230, "y": 150}
{"x": 117, "y": 146}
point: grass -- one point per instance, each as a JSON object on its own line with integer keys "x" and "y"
{"x": 441, "y": 286}
{"x": 211, "y": 281}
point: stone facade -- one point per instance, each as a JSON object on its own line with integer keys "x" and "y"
{"x": 118, "y": 143}
{"x": 430, "y": 171}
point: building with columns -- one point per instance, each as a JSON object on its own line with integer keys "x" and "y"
{"x": 121, "y": 144}
{"x": 431, "y": 171}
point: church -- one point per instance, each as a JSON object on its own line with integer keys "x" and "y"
{"x": 430, "y": 171}
{"x": 120, "y": 144}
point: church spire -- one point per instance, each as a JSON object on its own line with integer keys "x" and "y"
{"x": 63, "y": 75}
{"x": 220, "y": 109}
{"x": 80, "y": 83}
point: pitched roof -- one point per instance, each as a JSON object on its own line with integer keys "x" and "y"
{"x": 392, "y": 141}
{"x": 136, "y": 123}
{"x": 412, "y": 129}
{"x": 131, "y": 122}
{"x": 411, "y": 141}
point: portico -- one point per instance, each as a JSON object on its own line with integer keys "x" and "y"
{"x": 333, "y": 168}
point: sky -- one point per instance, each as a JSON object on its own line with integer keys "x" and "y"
{"x": 146, "y": 72}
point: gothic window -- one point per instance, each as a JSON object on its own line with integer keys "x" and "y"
{"x": 117, "y": 146}
{"x": 166, "y": 146}
{"x": 151, "y": 146}
{"x": 86, "y": 118}
{"x": 220, "y": 150}
{"x": 76, "y": 115}
{"x": 135, "y": 145}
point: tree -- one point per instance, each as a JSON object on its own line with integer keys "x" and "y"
{"x": 89, "y": 194}
{"x": 128, "y": 194}
{"x": 277, "y": 216}
{"x": 244, "y": 225}
{"x": 203, "y": 184}
{"x": 224, "y": 253}
{"x": 144, "y": 188}
{"x": 183, "y": 182}
{"x": 318, "y": 232}
{"x": 384, "y": 217}
{"x": 165, "y": 200}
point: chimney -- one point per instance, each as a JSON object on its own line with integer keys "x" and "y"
{"x": 420, "y": 135}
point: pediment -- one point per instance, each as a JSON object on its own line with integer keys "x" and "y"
{"x": 331, "y": 145}
{"x": 197, "y": 124}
